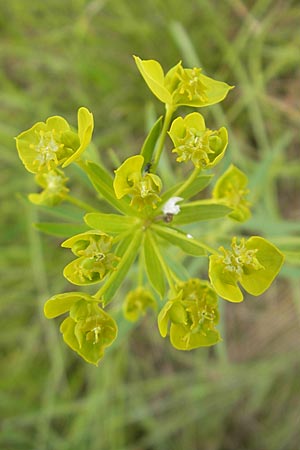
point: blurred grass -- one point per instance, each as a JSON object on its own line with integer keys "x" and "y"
{"x": 57, "y": 56}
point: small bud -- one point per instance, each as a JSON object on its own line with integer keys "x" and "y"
{"x": 137, "y": 302}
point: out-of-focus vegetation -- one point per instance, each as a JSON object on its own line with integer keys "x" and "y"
{"x": 244, "y": 395}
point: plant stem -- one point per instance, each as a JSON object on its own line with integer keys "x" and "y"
{"x": 129, "y": 255}
{"x": 187, "y": 183}
{"x": 164, "y": 266}
{"x": 162, "y": 137}
{"x": 141, "y": 265}
{"x": 80, "y": 204}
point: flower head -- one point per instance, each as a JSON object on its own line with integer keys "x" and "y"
{"x": 142, "y": 187}
{"x": 181, "y": 86}
{"x": 49, "y": 144}
{"x": 54, "y": 188}
{"x": 137, "y": 302}
{"x": 192, "y": 315}
{"x": 194, "y": 142}
{"x": 253, "y": 264}
{"x": 231, "y": 187}
{"x": 88, "y": 330}
{"x": 94, "y": 257}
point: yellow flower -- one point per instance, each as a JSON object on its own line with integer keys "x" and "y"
{"x": 54, "y": 188}
{"x": 194, "y": 142}
{"x": 94, "y": 257}
{"x": 181, "y": 86}
{"x": 253, "y": 263}
{"x": 192, "y": 315}
{"x": 49, "y": 144}
{"x": 88, "y": 330}
{"x": 142, "y": 187}
{"x": 231, "y": 188}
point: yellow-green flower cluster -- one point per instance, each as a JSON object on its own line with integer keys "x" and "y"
{"x": 192, "y": 315}
{"x": 231, "y": 188}
{"x": 141, "y": 222}
{"x": 54, "y": 188}
{"x": 48, "y": 145}
{"x": 88, "y": 330}
{"x": 194, "y": 142}
{"x": 181, "y": 86}
{"x": 94, "y": 258}
{"x": 142, "y": 187}
{"x": 252, "y": 263}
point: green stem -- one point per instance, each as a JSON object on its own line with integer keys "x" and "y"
{"x": 129, "y": 254}
{"x": 161, "y": 141}
{"x": 80, "y": 204}
{"x": 167, "y": 271}
{"x": 188, "y": 182}
{"x": 141, "y": 265}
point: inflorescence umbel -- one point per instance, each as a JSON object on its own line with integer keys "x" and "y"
{"x": 146, "y": 218}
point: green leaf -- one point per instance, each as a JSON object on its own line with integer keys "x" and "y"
{"x": 153, "y": 263}
{"x": 103, "y": 183}
{"x": 60, "y": 229}
{"x": 182, "y": 240}
{"x": 110, "y": 223}
{"x": 127, "y": 251}
{"x": 150, "y": 141}
{"x": 196, "y": 211}
{"x": 200, "y": 183}
{"x": 65, "y": 211}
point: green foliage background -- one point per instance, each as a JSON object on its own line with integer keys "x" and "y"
{"x": 245, "y": 394}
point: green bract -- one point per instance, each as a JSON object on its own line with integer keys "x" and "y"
{"x": 231, "y": 188}
{"x": 252, "y": 263}
{"x": 94, "y": 257}
{"x": 181, "y": 86}
{"x": 194, "y": 142}
{"x": 88, "y": 330}
{"x": 54, "y": 188}
{"x": 85, "y": 130}
{"x": 137, "y": 302}
{"x": 142, "y": 187}
{"x": 47, "y": 145}
{"x": 192, "y": 314}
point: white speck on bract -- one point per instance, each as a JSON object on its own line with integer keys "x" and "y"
{"x": 189, "y": 236}
{"x": 170, "y": 206}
